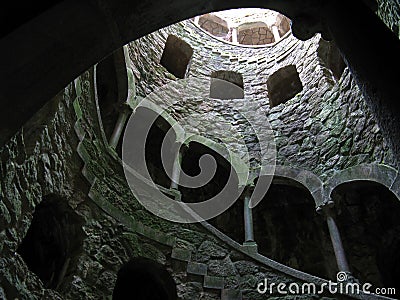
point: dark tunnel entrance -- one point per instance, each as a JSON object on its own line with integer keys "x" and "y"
{"x": 144, "y": 279}
{"x": 53, "y": 241}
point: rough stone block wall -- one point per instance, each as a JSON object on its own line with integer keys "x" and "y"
{"x": 389, "y": 12}
{"x": 40, "y": 160}
{"x": 325, "y": 127}
{"x": 116, "y": 227}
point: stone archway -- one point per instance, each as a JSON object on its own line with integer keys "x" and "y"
{"x": 287, "y": 229}
{"x": 145, "y": 279}
{"x": 367, "y": 214}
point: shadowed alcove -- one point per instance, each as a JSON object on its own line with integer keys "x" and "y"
{"x": 288, "y": 229}
{"x": 53, "y": 241}
{"x": 144, "y": 279}
{"x": 283, "y": 85}
{"x": 147, "y": 133}
{"x": 367, "y": 214}
{"x": 226, "y": 85}
{"x": 331, "y": 58}
{"x": 176, "y": 56}
{"x": 220, "y": 180}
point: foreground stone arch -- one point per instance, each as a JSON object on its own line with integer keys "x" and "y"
{"x": 84, "y": 33}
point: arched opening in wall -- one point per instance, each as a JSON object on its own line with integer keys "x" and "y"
{"x": 53, "y": 241}
{"x": 367, "y": 217}
{"x": 226, "y": 85}
{"x": 256, "y": 33}
{"x": 144, "y": 279}
{"x": 223, "y": 183}
{"x": 215, "y": 25}
{"x": 283, "y": 85}
{"x": 112, "y": 90}
{"x": 148, "y": 132}
{"x": 246, "y": 26}
{"x": 331, "y": 58}
{"x": 283, "y": 24}
{"x": 231, "y": 221}
{"x": 288, "y": 229}
{"x": 176, "y": 56}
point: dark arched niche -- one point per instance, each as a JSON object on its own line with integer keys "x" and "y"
{"x": 226, "y": 85}
{"x": 288, "y": 229}
{"x": 191, "y": 167}
{"x": 176, "y": 56}
{"x": 147, "y": 133}
{"x": 331, "y": 58}
{"x": 283, "y": 85}
{"x": 223, "y": 185}
{"x": 368, "y": 219}
{"x": 144, "y": 279}
{"x": 53, "y": 241}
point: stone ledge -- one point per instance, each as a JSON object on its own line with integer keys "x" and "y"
{"x": 197, "y": 268}
{"x": 181, "y": 254}
{"x": 228, "y": 294}
{"x": 213, "y": 282}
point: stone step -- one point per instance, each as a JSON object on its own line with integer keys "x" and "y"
{"x": 196, "y": 268}
{"x": 213, "y": 282}
{"x": 181, "y": 254}
{"x": 230, "y": 294}
{"x": 158, "y": 236}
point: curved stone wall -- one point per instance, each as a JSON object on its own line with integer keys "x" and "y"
{"x": 325, "y": 127}
{"x": 63, "y": 151}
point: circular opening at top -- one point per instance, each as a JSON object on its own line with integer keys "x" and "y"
{"x": 245, "y": 26}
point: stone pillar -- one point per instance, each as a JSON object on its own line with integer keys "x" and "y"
{"x": 249, "y": 245}
{"x": 341, "y": 260}
{"x": 248, "y": 220}
{"x": 125, "y": 112}
{"x": 276, "y": 34}
{"x": 176, "y": 169}
{"x": 235, "y": 35}
{"x": 196, "y": 20}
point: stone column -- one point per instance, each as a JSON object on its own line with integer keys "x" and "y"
{"x": 235, "y": 35}
{"x": 125, "y": 112}
{"x": 248, "y": 220}
{"x": 196, "y": 20}
{"x": 249, "y": 245}
{"x": 341, "y": 260}
{"x": 276, "y": 34}
{"x": 176, "y": 169}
